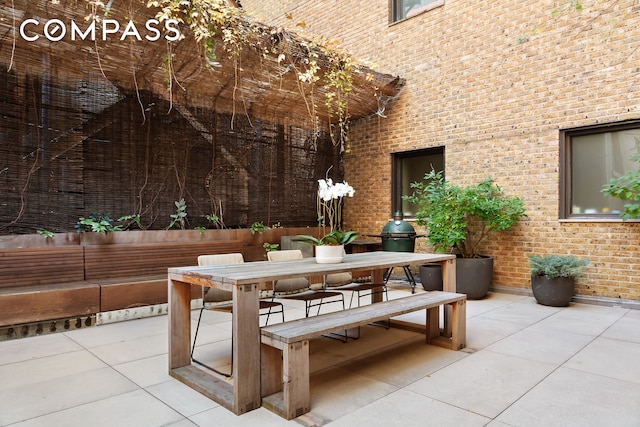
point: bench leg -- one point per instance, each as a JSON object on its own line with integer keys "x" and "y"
{"x": 459, "y": 325}
{"x": 296, "y": 394}
{"x": 433, "y": 323}
{"x": 271, "y": 370}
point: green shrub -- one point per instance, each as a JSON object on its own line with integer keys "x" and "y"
{"x": 553, "y": 266}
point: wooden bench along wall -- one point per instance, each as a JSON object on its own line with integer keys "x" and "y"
{"x": 285, "y": 346}
{"x": 47, "y": 283}
{"x": 134, "y": 275}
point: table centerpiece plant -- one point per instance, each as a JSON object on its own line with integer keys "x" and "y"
{"x": 329, "y": 208}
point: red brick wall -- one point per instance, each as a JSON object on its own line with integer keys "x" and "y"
{"x": 493, "y": 82}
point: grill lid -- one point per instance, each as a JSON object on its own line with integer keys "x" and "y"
{"x": 397, "y": 227}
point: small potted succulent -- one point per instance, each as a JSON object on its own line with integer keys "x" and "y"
{"x": 553, "y": 278}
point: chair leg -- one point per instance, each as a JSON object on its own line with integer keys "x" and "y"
{"x": 204, "y": 365}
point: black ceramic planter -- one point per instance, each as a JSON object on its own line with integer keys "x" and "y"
{"x": 473, "y": 276}
{"x": 556, "y": 292}
{"x": 431, "y": 277}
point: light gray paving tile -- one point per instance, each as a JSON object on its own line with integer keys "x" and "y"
{"x": 404, "y": 408}
{"x": 35, "y": 371}
{"x": 327, "y": 353}
{"x": 132, "y": 349}
{"x": 627, "y": 328}
{"x": 26, "y": 401}
{"x": 583, "y": 319}
{"x": 262, "y": 417}
{"x": 117, "y": 332}
{"x": 526, "y": 311}
{"x": 609, "y": 357}
{"x": 492, "y": 301}
{"x": 181, "y": 397}
{"x": 569, "y": 398}
{"x": 483, "y": 331}
{"x": 405, "y": 364}
{"x": 17, "y": 350}
{"x": 146, "y": 372}
{"x": 551, "y": 346}
{"x": 484, "y": 382}
{"x": 134, "y": 409}
{"x": 337, "y": 392}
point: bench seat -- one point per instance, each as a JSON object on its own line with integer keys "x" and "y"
{"x": 285, "y": 346}
{"x": 56, "y": 282}
{"x": 35, "y": 303}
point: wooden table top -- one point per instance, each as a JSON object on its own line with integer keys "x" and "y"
{"x": 263, "y": 271}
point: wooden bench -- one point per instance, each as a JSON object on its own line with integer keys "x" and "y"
{"x": 44, "y": 283}
{"x": 285, "y": 346}
{"x": 56, "y": 282}
{"x": 135, "y": 274}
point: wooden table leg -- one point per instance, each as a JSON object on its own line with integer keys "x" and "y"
{"x": 377, "y": 277}
{"x": 179, "y": 324}
{"x": 448, "y": 285}
{"x": 246, "y": 348}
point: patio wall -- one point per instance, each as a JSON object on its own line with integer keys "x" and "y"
{"x": 493, "y": 82}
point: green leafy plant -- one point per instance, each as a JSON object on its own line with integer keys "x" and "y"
{"x": 96, "y": 222}
{"x": 179, "y": 218}
{"x": 258, "y": 227}
{"x": 336, "y": 237}
{"x": 553, "y": 266}
{"x": 45, "y": 233}
{"x": 201, "y": 230}
{"x": 269, "y": 247}
{"x": 129, "y": 219}
{"x": 214, "y": 220}
{"x": 626, "y": 187}
{"x": 457, "y": 218}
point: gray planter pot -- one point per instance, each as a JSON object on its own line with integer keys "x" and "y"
{"x": 473, "y": 276}
{"x": 431, "y": 277}
{"x": 556, "y": 292}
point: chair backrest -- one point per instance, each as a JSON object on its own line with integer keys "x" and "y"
{"x": 293, "y": 285}
{"x": 214, "y": 294}
{"x": 337, "y": 279}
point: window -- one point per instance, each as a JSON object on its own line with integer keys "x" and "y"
{"x": 590, "y": 157}
{"x": 408, "y": 167}
{"x": 402, "y": 9}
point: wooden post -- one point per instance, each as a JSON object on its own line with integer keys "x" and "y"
{"x": 246, "y": 355}
{"x": 179, "y": 324}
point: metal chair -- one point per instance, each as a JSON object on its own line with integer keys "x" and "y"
{"x": 221, "y": 300}
{"x": 298, "y": 288}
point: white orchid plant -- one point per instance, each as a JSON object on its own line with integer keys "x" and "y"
{"x": 329, "y": 207}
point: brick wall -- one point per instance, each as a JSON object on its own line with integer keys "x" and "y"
{"x": 493, "y": 82}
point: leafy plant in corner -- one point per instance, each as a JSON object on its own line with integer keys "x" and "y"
{"x": 458, "y": 218}
{"x": 626, "y": 187}
{"x": 179, "y": 218}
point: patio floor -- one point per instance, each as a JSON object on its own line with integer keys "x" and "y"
{"x": 524, "y": 365}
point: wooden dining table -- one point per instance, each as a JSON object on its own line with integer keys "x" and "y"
{"x": 242, "y": 393}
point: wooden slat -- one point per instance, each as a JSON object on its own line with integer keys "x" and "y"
{"x": 39, "y": 266}
{"x": 108, "y": 261}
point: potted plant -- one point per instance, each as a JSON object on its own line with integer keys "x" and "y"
{"x": 330, "y": 245}
{"x": 553, "y": 278}
{"x": 458, "y": 219}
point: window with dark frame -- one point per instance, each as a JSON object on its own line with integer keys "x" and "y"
{"x": 408, "y": 167}
{"x": 590, "y": 157}
{"x": 403, "y": 9}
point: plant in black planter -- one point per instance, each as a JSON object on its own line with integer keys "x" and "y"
{"x": 458, "y": 219}
{"x": 553, "y": 278}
